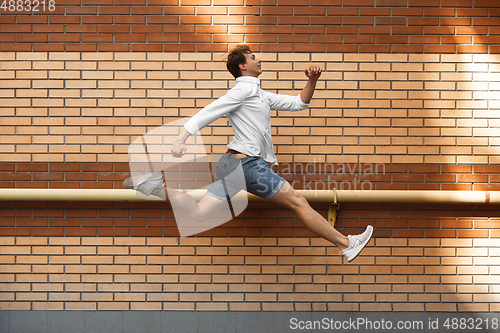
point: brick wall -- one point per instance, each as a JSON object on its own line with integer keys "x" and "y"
{"x": 247, "y": 274}
{"x": 368, "y": 108}
{"x": 406, "y": 122}
{"x": 422, "y": 118}
{"x": 381, "y": 26}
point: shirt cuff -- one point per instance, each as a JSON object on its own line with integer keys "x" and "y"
{"x": 191, "y": 127}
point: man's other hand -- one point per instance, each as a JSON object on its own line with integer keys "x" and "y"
{"x": 178, "y": 149}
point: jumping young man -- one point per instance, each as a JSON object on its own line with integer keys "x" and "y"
{"x": 247, "y": 108}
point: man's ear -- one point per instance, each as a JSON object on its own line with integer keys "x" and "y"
{"x": 243, "y": 67}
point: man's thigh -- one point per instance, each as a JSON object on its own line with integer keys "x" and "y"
{"x": 209, "y": 205}
{"x": 286, "y": 196}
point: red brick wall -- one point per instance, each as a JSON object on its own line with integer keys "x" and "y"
{"x": 431, "y": 120}
{"x": 422, "y": 257}
{"x": 374, "y": 26}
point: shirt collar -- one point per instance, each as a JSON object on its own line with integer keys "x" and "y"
{"x": 249, "y": 79}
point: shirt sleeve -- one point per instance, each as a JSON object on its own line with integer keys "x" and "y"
{"x": 231, "y": 101}
{"x": 286, "y": 102}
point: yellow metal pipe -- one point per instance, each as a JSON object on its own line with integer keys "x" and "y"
{"x": 416, "y": 197}
{"x": 325, "y": 196}
{"x": 74, "y": 195}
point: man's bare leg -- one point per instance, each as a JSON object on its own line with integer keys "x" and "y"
{"x": 198, "y": 211}
{"x": 316, "y": 223}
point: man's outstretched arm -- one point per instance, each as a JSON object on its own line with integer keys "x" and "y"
{"x": 231, "y": 101}
{"x": 313, "y": 73}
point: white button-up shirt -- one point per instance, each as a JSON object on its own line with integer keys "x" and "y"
{"x": 248, "y": 110}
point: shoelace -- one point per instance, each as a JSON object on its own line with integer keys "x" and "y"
{"x": 357, "y": 241}
{"x": 352, "y": 244}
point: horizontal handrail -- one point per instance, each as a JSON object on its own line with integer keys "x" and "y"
{"x": 325, "y": 196}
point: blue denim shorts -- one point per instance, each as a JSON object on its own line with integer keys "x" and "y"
{"x": 251, "y": 173}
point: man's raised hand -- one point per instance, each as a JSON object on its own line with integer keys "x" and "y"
{"x": 313, "y": 72}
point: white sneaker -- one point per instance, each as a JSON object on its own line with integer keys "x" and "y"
{"x": 357, "y": 243}
{"x": 146, "y": 183}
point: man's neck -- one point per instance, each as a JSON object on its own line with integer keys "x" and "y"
{"x": 248, "y": 75}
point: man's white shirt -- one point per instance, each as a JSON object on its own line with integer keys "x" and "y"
{"x": 248, "y": 109}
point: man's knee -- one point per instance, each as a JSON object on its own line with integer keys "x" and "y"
{"x": 298, "y": 201}
{"x": 198, "y": 218}
{"x": 290, "y": 198}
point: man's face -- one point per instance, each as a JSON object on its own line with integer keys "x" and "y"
{"x": 252, "y": 67}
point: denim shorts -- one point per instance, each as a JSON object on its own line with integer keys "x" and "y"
{"x": 251, "y": 173}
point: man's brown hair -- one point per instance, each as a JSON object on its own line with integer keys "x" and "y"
{"x": 235, "y": 58}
